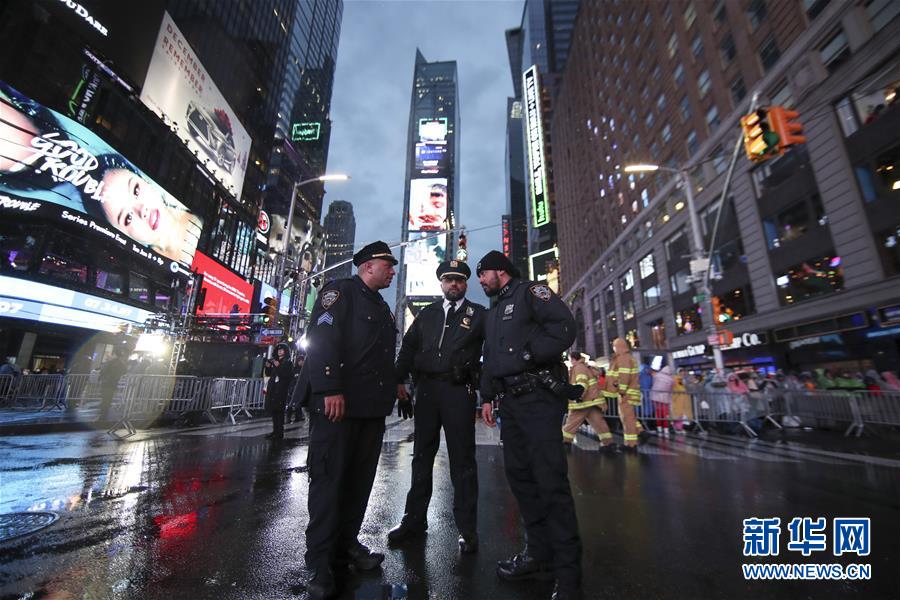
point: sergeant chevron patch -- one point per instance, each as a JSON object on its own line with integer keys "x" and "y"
{"x": 325, "y": 318}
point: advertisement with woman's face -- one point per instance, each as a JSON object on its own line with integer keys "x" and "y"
{"x": 428, "y": 203}
{"x": 54, "y": 167}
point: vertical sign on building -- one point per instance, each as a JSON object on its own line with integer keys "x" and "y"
{"x": 539, "y": 202}
{"x": 507, "y": 237}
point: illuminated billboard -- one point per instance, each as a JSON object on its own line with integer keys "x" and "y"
{"x": 543, "y": 266}
{"x": 32, "y": 301}
{"x": 179, "y": 88}
{"x": 223, "y": 292}
{"x": 540, "y": 209}
{"x": 431, "y": 157}
{"x": 53, "y": 167}
{"x": 422, "y": 256}
{"x": 433, "y": 130}
{"x": 267, "y": 291}
{"x": 428, "y": 203}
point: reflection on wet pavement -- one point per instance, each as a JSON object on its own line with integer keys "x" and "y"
{"x": 223, "y": 514}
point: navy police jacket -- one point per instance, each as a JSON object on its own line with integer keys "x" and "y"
{"x": 351, "y": 342}
{"x": 528, "y": 318}
{"x": 424, "y": 351}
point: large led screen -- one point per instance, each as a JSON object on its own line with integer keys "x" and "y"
{"x": 422, "y": 256}
{"x": 433, "y": 130}
{"x": 428, "y": 203}
{"x": 223, "y": 292}
{"x": 178, "y": 87}
{"x": 56, "y": 168}
{"x": 431, "y": 157}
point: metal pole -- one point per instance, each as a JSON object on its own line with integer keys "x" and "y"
{"x": 279, "y": 280}
{"x": 702, "y": 284}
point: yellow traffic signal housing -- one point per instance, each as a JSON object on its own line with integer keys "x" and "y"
{"x": 717, "y": 311}
{"x": 784, "y": 123}
{"x": 760, "y": 140}
{"x": 270, "y": 312}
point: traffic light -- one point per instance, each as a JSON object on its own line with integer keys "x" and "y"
{"x": 783, "y": 122}
{"x": 760, "y": 140}
{"x": 270, "y": 312}
{"x": 717, "y": 310}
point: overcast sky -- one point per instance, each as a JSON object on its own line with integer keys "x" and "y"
{"x": 370, "y": 111}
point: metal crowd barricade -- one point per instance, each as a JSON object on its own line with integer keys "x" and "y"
{"x": 825, "y": 408}
{"x": 81, "y": 389}
{"x": 7, "y": 385}
{"x": 875, "y": 408}
{"x": 47, "y": 391}
{"x": 149, "y": 396}
{"x": 229, "y": 394}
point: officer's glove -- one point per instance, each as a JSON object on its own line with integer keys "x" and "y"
{"x": 405, "y": 409}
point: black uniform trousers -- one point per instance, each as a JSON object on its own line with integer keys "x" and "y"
{"x": 278, "y": 417}
{"x": 342, "y": 460}
{"x": 537, "y": 471}
{"x": 444, "y": 404}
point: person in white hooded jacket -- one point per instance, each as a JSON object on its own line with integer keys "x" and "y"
{"x": 661, "y": 396}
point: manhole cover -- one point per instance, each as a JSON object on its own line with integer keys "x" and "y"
{"x": 13, "y": 525}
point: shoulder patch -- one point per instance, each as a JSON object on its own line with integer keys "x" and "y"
{"x": 541, "y": 292}
{"x": 329, "y": 298}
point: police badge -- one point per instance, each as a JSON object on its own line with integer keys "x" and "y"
{"x": 329, "y": 298}
{"x": 541, "y": 292}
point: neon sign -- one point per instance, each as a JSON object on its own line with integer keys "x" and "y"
{"x": 540, "y": 212}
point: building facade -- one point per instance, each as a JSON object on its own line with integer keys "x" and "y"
{"x": 114, "y": 192}
{"x": 804, "y": 248}
{"x": 431, "y": 188}
{"x": 340, "y": 236}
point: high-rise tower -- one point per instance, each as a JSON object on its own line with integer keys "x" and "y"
{"x": 340, "y": 233}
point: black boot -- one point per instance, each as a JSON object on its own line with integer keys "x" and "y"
{"x": 523, "y": 566}
{"x": 566, "y": 592}
{"x": 407, "y": 530}
{"x": 468, "y": 543}
{"x": 362, "y": 558}
{"x": 321, "y": 585}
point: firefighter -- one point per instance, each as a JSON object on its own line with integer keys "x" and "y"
{"x": 589, "y": 407}
{"x": 623, "y": 386}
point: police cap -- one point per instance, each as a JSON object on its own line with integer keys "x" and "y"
{"x": 455, "y": 268}
{"x": 374, "y": 250}
{"x": 496, "y": 261}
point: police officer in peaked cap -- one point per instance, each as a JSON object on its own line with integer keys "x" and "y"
{"x": 526, "y": 333}
{"x": 350, "y": 363}
{"x": 442, "y": 352}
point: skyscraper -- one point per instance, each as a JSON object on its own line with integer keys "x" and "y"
{"x": 340, "y": 234}
{"x": 430, "y": 200}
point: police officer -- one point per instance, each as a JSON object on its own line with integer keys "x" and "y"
{"x": 526, "y": 332}
{"x": 281, "y": 374}
{"x": 442, "y": 350}
{"x": 350, "y": 361}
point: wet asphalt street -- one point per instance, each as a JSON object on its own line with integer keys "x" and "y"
{"x": 219, "y": 512}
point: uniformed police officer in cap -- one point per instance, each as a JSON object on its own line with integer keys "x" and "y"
{"x": 350, "y": 361}
{"x": 442, "y": 351}
{"x": 526, "y": 333}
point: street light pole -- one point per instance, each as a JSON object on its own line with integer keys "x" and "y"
{"x": 701, "y": 281}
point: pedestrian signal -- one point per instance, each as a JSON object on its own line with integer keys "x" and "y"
{"x": 784, "y": 123}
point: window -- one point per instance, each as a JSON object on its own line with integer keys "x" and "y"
{"x": 783, "y": 96}
{"x": 727, "y": 51}
{"x": 793, "y": 222}
{"x": 881, "y": 177}
{"x": 677, "y": 247}
{"x": 769, "y": 54}
{"x": 719, "y": 160}
{"x": 645, "y": 93}
{"x": 712, "y": 118}
{"x": 673, "y": 45}
{"x": 162, "y": 296}
{"x": 813, "y": 277}
{"x": 661, "y": 102}
{"x": 688, "y": 320}
{"x": 735, "y": 304}
{"x": 719, "y": 14}
{"x": 814, "y": 7}
{"x": 703, "y": 83}
{"x": 692, "y": 142}
{"x": 738, "y": 90}
{"x": 685, "y": 108}
{"x": 109, "y": 278}
{"x": 697, "y": 47}
{"x": 626, "y": 281}
{"x": 647, "y": 267}
{"x": 882, "y": 12}
{"x": 835, "y": 51}
{"x": 650, "y": 295}
{"x": 649, "y": 119}
{"x": 889, "y": 249}
{"x": 756, "y": 13}
{"x": 18, "y": 246}
{"x": 138, "y": 288}
{"x": 666, "y": 133}
{"x": 679, "y": 74}
{"x": 65, "y": 259}
{"x": 627, "y": 309}
{"x": 690, "y": 15}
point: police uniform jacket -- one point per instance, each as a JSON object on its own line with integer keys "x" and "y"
{"x": 351, "y": 342}
{"x": 280, "y": 379}
{"x": 423, "y": 351}
{"x": 528, "y": 316}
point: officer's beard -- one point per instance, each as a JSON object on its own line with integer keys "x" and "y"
{"x": 454, "y": 295}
